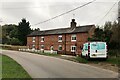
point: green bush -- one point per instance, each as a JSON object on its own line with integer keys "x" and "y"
{"x": 113, "y": 53}
{"x": 15, "y": 41}
{"x": 81, "y": 60}
{"x": 11, "y": 47}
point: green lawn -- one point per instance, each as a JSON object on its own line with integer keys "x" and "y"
{"x": 111, "y": 60}
{"x": 46, "y": 54}
{"x": 11, "y": 69}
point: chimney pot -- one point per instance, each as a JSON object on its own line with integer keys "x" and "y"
{"x": 73, "y": 24}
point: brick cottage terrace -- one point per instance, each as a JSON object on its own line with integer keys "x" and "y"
{"x": 63, "y": 41}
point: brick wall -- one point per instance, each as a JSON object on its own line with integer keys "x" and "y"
{"x": 52, "y": 40}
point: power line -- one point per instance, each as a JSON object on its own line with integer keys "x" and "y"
{"x": 107, "y": 12}
{"x": 64, "y": 13}
{"x": 19, "y": 7}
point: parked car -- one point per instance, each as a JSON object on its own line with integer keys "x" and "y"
{"x": 94, "y": 50}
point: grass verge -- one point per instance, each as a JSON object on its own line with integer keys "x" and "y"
{"x": 11, "y": 47}
{"x": 46, "y": 54}
{"x": 111, "y": 60}
{"x": 11, "y": 69}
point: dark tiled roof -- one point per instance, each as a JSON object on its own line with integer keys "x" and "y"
{"x": 78, "y": 29}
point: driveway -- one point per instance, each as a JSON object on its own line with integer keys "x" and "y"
{"x": 40, "y": 66}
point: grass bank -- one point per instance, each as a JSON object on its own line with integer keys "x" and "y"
{"x": 112, "y": 63}
{"x": 112, "y": 59}
{"x": 11, "y": 69}
{"x": 46, "y": 54}
{"x": 11, "y": 47}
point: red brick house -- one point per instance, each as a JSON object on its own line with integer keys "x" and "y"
{"x": 64, "y": 40}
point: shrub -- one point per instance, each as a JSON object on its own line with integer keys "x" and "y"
{"x": 15, "y": 41}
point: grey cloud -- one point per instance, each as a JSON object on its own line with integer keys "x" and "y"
{"x": 86, "y": 15}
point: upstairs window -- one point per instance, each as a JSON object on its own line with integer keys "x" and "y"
{"x": 33, "y": 39}
{"x": 73, "y": 37}
{"x": 60, "y": 38}
{"x": 42, "y": 39}
{"x": 60, "y": 47}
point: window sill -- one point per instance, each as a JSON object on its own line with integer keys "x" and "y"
{"x": 73, "y": 51}
{"x": 33, "y": 41}
{"x": 59, "y": 50}
{"x": 59, "y": 41}
{"x": 73, "y": 40}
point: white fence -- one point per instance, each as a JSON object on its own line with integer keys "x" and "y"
{"x": 42, "y": 51}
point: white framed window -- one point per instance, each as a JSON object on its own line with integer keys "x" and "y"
{"x": 60, "y": 38}
{"x": 73, "y": 48}
{"x": 33, "y": 39}
{"x": 60, "y": 47}
{"x": 42, "y": 47}
{"x": 51, "y": 48}
{"x": 33, "y": 46}
{"x": 42, "y": 39}
{"x": 73, "y": 37}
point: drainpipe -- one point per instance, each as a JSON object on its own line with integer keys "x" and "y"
{"x": 65, "y": 43}
{"x": 38, "y": 42}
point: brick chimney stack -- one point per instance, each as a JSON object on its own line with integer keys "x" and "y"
{"x": 73, "y": 24}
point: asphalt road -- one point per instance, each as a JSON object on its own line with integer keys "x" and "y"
{"x": 39, "y": 66}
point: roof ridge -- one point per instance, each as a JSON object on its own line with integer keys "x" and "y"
{"x": 69, "y": 27}
{"x": 68, "y": 30}
{"x": 55, "y": 29}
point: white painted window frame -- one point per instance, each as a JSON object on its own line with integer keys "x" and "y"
{"x": 60, "y": 36}
{"x": 42, "y": 39}
{"x": 59, "y": 47}
{"x": 41, "y": 47}
{"x": 33, "y": 46}
{"x": 73, "y": 35}
{"x": 73, "y": 50}
{"x": 33, "y": 39}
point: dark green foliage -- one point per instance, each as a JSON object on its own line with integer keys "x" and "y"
{"x": 15, "y": 41}
{"x": 16, "y": 34}
{"x": 98, "y": 34}
{"x": 115, "y": 40}
{"x": 36, "y": 29}
{"x": 81, "y": 60}
{"x": 101, "y": 35}
{"x": 109, "y": 33}
{"x": 23, "y": 30}
{"x": 6, "y": 33}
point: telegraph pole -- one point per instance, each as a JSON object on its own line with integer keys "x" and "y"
{"x": 118, "y": 38}
{"x": 119, "y": 12}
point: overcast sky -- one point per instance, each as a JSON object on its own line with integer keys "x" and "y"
{"x": 35, "y": 11}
